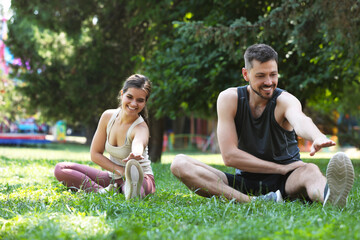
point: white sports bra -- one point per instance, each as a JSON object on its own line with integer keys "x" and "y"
{"x": 118, "y": 153}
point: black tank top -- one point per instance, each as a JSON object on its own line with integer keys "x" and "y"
{"x": 263, "y": 137}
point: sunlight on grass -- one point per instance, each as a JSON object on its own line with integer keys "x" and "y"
{"x": 63, "y": 152}
{"x": 34, "y": 205}
{"x": 79, "y": 224}
{"x": 21, "y": 175}
{"x": 58, "y": 226}
{"x": 203, "y": 157}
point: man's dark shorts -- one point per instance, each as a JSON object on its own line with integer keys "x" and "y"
{"x": 258, "y": 184}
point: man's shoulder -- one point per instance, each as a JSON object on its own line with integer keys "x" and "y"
{"x": 227, "y": 101}
{"x": 286, "y": 100}
{"x": 284, "y": 96}
{"x": 229, "y": 93}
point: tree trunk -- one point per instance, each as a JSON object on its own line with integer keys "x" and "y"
{"x": 156, "y": 137}
{"x": 89, "y": 132}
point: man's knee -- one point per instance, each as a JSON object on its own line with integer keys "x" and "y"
{"x": 310, "y": 171}
{"x": 312, "y": 168}
{"x": 178, "y": 165}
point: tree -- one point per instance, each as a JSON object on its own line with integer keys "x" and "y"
{"x": 12, "y": 103}
{"x": 191, "y": 50}
{"x": 317, "y": 41}
{"x": 78, "y": 53}
{"x": 312, "y": 58}
{"x": 189, "y": 69}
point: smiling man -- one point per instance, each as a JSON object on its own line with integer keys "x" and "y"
{"x": 257, "y": 128}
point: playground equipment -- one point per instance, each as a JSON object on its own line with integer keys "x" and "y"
{"x": 27, "y": 131}
{"x": 22, "y": 138}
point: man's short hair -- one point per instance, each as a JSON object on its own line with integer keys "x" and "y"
{"x": 259, "y": 52}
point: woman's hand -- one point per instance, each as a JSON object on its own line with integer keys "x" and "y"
{"x": 133, "y": 156}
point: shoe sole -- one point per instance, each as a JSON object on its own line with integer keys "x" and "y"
{"x": 340, "y": 178}
{"x": 134, "y": 178}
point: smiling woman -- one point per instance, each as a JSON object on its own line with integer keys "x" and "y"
{"x": 124, "y": 134}
{"x": 140, "y": 90}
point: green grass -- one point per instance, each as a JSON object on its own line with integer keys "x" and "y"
{"x": 33, "y": 205}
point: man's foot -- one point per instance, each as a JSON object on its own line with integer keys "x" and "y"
{"x": 271, "y": 196}
{"x": 134, "y": 177}
{"x": 340, "y": 178}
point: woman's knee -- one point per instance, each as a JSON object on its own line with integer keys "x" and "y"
{"x": 59, "y": 170}
{"x": 148, "y": 185}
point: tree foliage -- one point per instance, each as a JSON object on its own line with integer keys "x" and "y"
{"x": 78, "y": 52}
{"x": 317, "y": 42}
{"x": 12, "y": 103}
{"x": 188, "y": 69}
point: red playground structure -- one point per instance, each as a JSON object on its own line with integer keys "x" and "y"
{"x": 22, "y": 138}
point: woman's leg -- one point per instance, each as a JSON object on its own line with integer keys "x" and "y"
{"x": 78, "y": 176}
{"x": 148, "y": 185}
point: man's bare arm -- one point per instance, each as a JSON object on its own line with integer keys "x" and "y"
{"x": 302, "y": 124}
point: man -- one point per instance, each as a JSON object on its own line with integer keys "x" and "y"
{"x": 256, "y": 131}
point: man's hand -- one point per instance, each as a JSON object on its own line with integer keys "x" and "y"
{"x": 319, "y": 143}
{"x": 292, "y": 166}
{"x": 133, "y": 156}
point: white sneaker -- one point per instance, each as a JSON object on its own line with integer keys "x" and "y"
{"x": 134, "y": 177}
{"x": 106, "y": 190}
{"x": 271, "y": 196}
{"x": 111, "y": 187}
{"x": 340, "y": 178}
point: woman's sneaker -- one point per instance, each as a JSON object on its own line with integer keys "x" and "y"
{"x": 110, "y": 188}
{"x": 340, "y": 178}
{"x": 134, "y": 177}
{"x": 107, "y": 189}
{"x": 271, "y": 196}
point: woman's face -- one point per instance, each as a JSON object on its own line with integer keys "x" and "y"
{"x": 133, "y": 100}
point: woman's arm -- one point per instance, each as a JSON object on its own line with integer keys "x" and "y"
{"x": 140, "y": 136}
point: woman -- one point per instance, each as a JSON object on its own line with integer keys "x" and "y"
{"x": 124, "y": 134}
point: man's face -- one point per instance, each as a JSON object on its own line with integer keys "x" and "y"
{"x": 262, "y": 78}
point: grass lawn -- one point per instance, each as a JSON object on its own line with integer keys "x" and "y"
{"x": 33, "y": 205}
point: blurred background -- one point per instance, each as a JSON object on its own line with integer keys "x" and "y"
{"x": 62, "y": 63}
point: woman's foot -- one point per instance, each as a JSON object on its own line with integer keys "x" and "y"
{"x": 134, "y": 177}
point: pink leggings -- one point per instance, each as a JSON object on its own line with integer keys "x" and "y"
{"x": 77, "y": 176}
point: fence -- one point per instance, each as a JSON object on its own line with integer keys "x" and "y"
{"x": 174, "y": 142}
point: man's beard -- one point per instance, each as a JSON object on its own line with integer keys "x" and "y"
{"x": 262, "y": 96}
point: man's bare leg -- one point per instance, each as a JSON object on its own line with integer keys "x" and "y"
{"x": 204, "y": 180}
{"x": 306, "y": 181}
{"x": 309, "y": 181}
